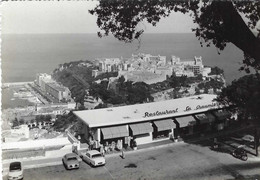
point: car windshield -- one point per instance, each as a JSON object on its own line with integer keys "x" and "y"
{"x": 72, "y": 158}
{"x": 96, "y": 155}
{"x": 15, "y": 167}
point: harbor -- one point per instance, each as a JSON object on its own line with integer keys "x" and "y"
{"x": 19, "y": 94}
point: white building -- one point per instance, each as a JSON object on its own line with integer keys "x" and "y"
{"x": 189, "y": 67}
{"x": 58, "y": 91}
{"x": 145, "y": 122}
{"x": 156, "y": 60}
{"x": 109, "y": 64}
{"x": 50, "y": 87}
{"x": 42, "y": 79}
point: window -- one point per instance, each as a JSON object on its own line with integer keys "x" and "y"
{"x": 141, "y": 135}
{"x": 72, "y": 158}
{"x": 15, "y": 166}
{"x": 96, "y": 155}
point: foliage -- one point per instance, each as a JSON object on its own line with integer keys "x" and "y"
{"x": 175, "y": 82}
{"x": 174, "y": 94}
{"x": 244, "y": 95}
{"x": 216, "y": 71}
{"x": 127, "y": 92}
{"x": 76, "y": 77}
{"x": 139, "y": 92}
{"x": 218, "y": 22}
{"x": 21, "y": 121}
{"x": 106, "y": 75}
{"x": 100, "y": 106}
{"x": 43, "y": 118}
{"x": 64, "y": 121}
{"x": 15, "y": 122}
{"x": 211, "y": 84}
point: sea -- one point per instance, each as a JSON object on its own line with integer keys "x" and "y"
{"x": 25, "y": 55}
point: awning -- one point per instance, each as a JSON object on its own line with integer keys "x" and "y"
{"x": 211, "y": 117}
{"x": 115, "y": 132}
{"x": 166, "y": 124}
{"x": 222, "y": 114}
{"x": 202, "y": 118}
{"x": 186, "y": 121}
{"x": 141, "y": 128}
{"x": 205, "y": 118}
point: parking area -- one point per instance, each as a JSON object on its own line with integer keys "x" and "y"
{"x": 243, "y": 139}
{"x": 178, "y": 161}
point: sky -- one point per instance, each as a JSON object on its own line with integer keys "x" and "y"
{"x": 34, "y": 17}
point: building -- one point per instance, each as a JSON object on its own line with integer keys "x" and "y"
{"x": 16, "y": 134}
{"x": 189, "y": 67}
{"x": 109, "y": 65}
{"x": 58, "y": 92}
{"x": 95, "y": 73}
{"x": 54, "y": 91}
{"x": 156, "y": 60}
{"x": 42, "y": 79}
{"x": 146, "y": 123}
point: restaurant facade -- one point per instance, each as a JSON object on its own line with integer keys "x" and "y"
{"x": 150, "y": 122}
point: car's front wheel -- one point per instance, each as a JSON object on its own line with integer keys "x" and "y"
{"x": 66, "y": 167}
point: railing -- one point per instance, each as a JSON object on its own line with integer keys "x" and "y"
{"x": 22, "y": 154}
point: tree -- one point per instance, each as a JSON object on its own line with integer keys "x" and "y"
{"x": 138, "y": 92}
{"x": 244, "y": 96}
{"x": 100, "y": 106}
{"x": 21, "y": 121}
{"x": 216, "y": 71}
{"x": 219, "y": 22}
{"x": 15, "y": 122}
{"x": 39, "y": 118}
{"x": 64, "y": 121}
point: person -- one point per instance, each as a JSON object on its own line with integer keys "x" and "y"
{"x": 123, "y": 154}
{"x": 215, "y": 144}
{"x": 91, "y": 143}
{"x": 134, "y": 144}
{"x": 102, "y": 150}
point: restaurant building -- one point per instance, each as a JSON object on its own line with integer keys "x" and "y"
{"x": 150, "y": 122}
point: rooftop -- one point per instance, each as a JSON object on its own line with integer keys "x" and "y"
{"x": 56, "y": 86}
{"x": 148, "y": 111}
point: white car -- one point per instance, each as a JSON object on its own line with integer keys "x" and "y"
{"x": 93, "y": 158}
{"x": 70, "y": 161}
{"x": 15, "y": 171}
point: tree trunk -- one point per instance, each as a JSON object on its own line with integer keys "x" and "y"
{"x": 236, "y": 31}
{"x": 256, "y": 137}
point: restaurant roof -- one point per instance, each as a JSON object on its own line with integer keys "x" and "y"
{"x": 148, "y": 111}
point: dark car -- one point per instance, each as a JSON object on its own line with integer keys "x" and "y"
{"x": 240, "y": 153}
{"x": 70, "y": 161}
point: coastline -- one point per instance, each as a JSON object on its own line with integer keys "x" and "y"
{"x": 11, "y": 98}
{"x": 26, "y": 55}
{"x": 16, "y": 83}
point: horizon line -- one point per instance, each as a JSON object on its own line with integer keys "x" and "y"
{"x": 92, "y": 33}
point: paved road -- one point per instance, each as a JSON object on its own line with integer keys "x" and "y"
{"x": 180, "y": 161}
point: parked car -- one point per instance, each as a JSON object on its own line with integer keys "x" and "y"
{"x": 240, "y": 153}
{"x": 70, "y": 161}
{"x": 15, "y": 171}
{"x": 93, "y": 158}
